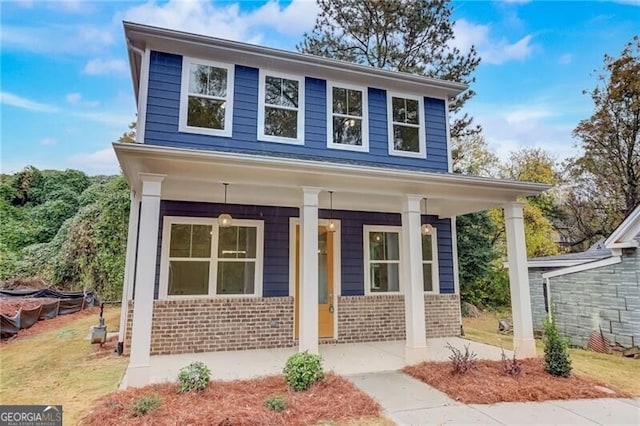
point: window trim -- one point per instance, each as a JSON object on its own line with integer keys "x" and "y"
{"x": 435, "y": 273}
{"x": 365, "y": 117}
{"x": 261, "y": 106}
{"x": 367, "y": 229}
{"x": 163, "y": 292}
{"x": 422, "y": 153}
{"x": 184, "y": 98}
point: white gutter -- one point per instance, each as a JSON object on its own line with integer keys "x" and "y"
{"x": 584, "y": 267}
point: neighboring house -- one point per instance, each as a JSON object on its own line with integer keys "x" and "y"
{"x": 338, "y": 221}
{"x": 596, "y": 290}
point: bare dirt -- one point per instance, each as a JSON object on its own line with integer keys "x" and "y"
{"x": 9, "y": 306}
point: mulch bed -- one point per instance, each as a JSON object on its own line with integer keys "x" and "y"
{"x": 488, "y": 384}
{"x": 239, "y": 402}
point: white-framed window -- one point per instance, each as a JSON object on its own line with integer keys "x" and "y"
{"x": 430, "y": 274}
{"x": 201, "y": 259}
{"x": 405, "y": 117}
{"x": 382, "y": 259}
{"x": 347, "y": 117}
{"x": 281, "y": 108}
{"x": 206, "y": 97}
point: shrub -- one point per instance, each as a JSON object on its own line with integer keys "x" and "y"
{"x": 462, "y": 363}
{"x": 302, "y": 370}
{"x": 556, "y": 353}
{"x": 512, "y": 367}
{"x": 275, "y": 403}
{"x": 144, "y": 405}
{"x": 194, "y": 376}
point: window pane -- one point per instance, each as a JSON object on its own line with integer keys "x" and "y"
{"x": 427, "y": 276}
{"x": 190, "y": 241}
{"x": 347, "y": 131}
{"x": 339, "y": 100}
{"x": 289, "y": 93}
{"x": 412, "y": 111}
{"x": 427, "y": 248}
{"x": 406, "y": 138}
{"x": 200, "y": 241}
{"x": 273, "y": 90}
{"x": 384, "y": 277}
{"x": 207, "y": 113}
{"x": 281, "y": 122}
{"x": 237, "y": 242}
{"x": 384, "y": 246}
{"x": 207, "y": 80}
{"x": 188, "y": 278}
{"x": 399, "y": 112}
{"x": 355, "y": 103}
{"x": 236, "y": 277}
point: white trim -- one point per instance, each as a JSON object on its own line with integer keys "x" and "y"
{"x": 623, "y": 236}
{"x": 364, "y": 118}
{"x": 448, "y": 135}
{"x": 299, "y": 140}
{"x": 454, "y": 253}
{"x": 366, "y": 230}
{"x": 583, "y": 267}
{"x": 213, "y": 259}
{"x": 184, "y": 98}
{"x": 422, "y": 146}
{"x": 141, "y": 118}
{"x": 555, "y": 263}
{"x": 435, "y": 273}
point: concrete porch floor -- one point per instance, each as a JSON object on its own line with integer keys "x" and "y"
{"x": 343, "y": 359}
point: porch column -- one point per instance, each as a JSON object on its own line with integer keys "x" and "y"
{"x": 523, "y": 342}
{"x": 138, "y": 373}
{"x": 308, "y": 317}
{"x": 129, "y": 265}
{"x": 412, "y": 280}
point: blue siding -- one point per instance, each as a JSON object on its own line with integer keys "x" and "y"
{"x": 276, "y": 241}
{"x": 163, "y": 103}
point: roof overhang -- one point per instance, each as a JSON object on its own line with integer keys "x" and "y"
{"x": 559, "y": 263}
{"x": 194, "y": 175}
{"x": 607, "y": 261}
{"x": 624, "y": 236}
{"x": 143, "y": 37}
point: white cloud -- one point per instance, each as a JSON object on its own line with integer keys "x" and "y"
{"x": 490, "y": 50}
{"x": 76, "y": 99}
{"x": 73, "y": 98}
{"x": 102, "y": 67}
{"x": 110, "y": 118}
{"x": 56, "y": 39}
{"x": 7, "y": 98}
{"x": 48, "y": 142}
{"x": 103, "y": 161}
{"x": 565, "y": 59}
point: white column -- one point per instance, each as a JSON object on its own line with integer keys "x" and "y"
{"x": 139, "y": 363}
{"x": 412, "y": 280}
{"x": 523, "y": 342}
{"x": 308, "y": 304}
{"x": 129, "y": 263}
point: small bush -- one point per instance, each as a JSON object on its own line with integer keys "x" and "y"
{"x": 302, "y": 370}
{"x": 512, "y": 367}
{"x": 275, "y": 403}
{"x": 144, "y": 405}
{"x": 462, "y": 363}
{"x": 193, "y": 377}
{"x": 556, "y": 353}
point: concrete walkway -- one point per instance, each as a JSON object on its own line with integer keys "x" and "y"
{"x": 408, "y": 401}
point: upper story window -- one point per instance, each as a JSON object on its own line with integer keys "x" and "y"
{"x": 382, "y": 259}
{"x": 347, "y": 115}
{"x": 406, "y": 125}
{"x": 206, "y": 97}
{"x": 430, "y": 262}
{"x": 281, "y": 108}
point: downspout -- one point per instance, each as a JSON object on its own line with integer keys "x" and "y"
{"x": 550, "y": 313}
{"x": 140, "y": 96}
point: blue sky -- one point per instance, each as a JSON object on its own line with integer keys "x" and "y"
{"x": 66, "y": 93}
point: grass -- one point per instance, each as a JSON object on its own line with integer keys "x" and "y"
{"x": 616, "y": 371}
{"x": 58, "y": 366}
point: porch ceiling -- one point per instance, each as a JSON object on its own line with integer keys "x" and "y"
{"x": 197, "y": 176}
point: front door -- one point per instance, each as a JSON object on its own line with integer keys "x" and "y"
{"x": 325, "y": 282}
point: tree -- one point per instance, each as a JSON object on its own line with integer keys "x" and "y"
{"x": 413, "y": 37}
{"x": 130, "y": 135}
{"x": 470, "y": 155}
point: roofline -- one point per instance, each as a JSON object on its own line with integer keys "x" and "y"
{"x": 557, "y": 263}
{"x": 607, "y": 261}
{"x": 147, "y": 32}
{"x": 630, "y": 223}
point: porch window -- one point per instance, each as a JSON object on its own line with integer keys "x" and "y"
{"x": 430, "y": 262}
{"x": 347, "y": 117}
{"x": 206, "y": 97}
{"x": 406, "y": 125}
{"x": 382, "y": 259}
{"x": 202, "y": 259}
{"x": 281, "y": 112}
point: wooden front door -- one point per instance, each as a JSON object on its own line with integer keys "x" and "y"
{"x": 325, "y": 282}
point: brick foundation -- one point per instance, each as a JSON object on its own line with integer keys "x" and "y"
{"x": 442, "y": 315}
{"x": 370, "y": 318}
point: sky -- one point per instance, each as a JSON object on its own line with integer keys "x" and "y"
{"x": 66, "y": 91}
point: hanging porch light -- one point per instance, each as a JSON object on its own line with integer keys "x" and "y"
{"x": 225, "y": 219}
{"x": 332, "y": 223}
{"x": 426, "y": 228}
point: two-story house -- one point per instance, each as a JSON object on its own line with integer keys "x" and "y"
{"x": 286, "y": 200}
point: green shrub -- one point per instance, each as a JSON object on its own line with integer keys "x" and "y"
{"x": 302, "y": 370}
{"x": 275, "y": 403}
{"x": 144, "y": 405}
{"x": 193, "y": 377}
{"x": 556, "y": 353}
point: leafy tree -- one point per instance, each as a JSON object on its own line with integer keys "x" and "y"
{"x": 130, "y": 135}
{"x": 413, "y": 37}
{"x": 470, "y": 155}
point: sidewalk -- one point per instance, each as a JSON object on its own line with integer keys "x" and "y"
{"x": 408, "y": 401}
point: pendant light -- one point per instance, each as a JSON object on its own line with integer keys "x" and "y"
{"x": 332, "y": 223}
{"x": 426, "y": 228}
{"x": 225, "y": 219}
